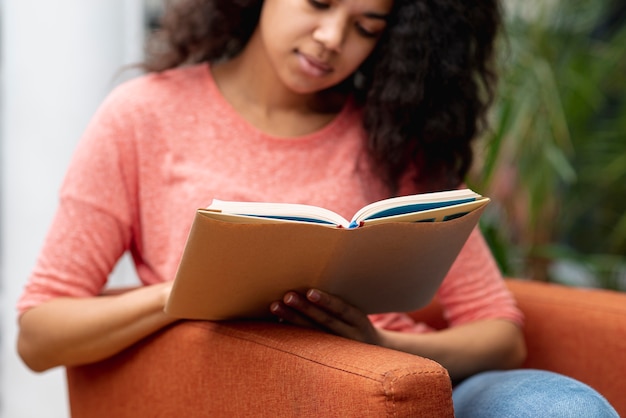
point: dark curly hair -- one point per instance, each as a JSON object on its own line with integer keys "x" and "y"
{"x": 425, "y": 89}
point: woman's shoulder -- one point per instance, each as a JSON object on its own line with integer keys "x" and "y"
{"x": 173, "y": 87}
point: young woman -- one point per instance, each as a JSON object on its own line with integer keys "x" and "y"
{"x": 335, "y": 103}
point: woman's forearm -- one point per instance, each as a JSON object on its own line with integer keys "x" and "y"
{"x": 73, "y": 331}
{"x": 466, "y": 349}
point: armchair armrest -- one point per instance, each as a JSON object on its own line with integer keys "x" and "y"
{"x": 577, "y": 332}
{"x": 197, "y": 368}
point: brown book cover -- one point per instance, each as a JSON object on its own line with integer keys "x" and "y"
{"x": 232, "y": 268}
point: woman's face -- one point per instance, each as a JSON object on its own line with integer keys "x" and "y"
{"x": 315, "y": 44}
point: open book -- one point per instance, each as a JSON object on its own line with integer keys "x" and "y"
{"x": 427, "y": 207}
{"x": 391, "y": 256}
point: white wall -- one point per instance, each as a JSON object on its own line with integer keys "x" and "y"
{"x": 59, "y": 60}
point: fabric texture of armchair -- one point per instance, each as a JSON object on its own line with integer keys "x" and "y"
{"x": 256, "y": 369}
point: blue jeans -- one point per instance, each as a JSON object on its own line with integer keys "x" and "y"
{"x": 527, "y": 393}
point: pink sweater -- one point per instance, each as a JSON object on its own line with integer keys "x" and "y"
{"x": 162, "y": 146}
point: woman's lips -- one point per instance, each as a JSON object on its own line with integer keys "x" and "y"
{"x": 312, "y": 66}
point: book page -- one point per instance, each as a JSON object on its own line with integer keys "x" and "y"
{"x": 286, "y": 211}
{"x": 414, "y": 203}
{"x": 441, "y": 214}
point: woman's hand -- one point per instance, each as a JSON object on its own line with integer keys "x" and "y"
{"x": 463, "y": 350}
{"x": 317, "y": 309}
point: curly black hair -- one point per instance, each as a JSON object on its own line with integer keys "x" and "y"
{"x": 424, "y": 90}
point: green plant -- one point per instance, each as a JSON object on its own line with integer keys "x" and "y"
{"x": 555, "y": 160}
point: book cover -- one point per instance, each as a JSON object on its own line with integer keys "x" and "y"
{"x": 234, "y": 266}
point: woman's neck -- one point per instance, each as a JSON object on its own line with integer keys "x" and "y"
{"x": 250, "y": 84}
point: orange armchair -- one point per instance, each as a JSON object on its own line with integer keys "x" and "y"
{"x": 577, "y": 332}
{"x": 204, "y": 369}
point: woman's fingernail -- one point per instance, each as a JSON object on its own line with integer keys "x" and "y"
{"x": 290, "y": 298}
{"x": 313, "y": 295}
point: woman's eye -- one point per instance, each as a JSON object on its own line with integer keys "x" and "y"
{"x": 319, "y": 4}
{"x": 365, "y": 32}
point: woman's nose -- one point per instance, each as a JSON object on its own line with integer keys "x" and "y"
{"x": 331, "y": 32}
